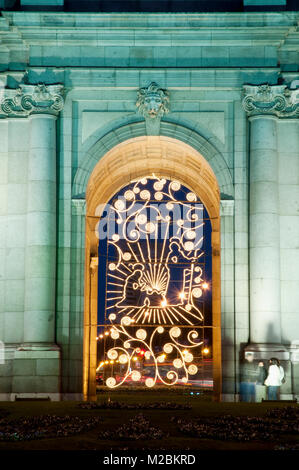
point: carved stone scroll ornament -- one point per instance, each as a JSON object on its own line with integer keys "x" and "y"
{"x": 152, "y": 102}
{"x": 32, "y": 99}
{"x": 277, "y": 100}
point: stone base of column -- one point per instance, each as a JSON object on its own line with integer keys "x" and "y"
{"x": 36, "y": 372}
{"x": 264, "y": 352}
{"x": 267, "y": 350}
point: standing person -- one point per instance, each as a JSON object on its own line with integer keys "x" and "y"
{"x": 260, "y": 388}
{"x": 273, "y": 380}
{"x": 248, "y": 379}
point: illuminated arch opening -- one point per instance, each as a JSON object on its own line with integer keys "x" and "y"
{"x": 123, "y": 166}
{"x": 154, "y": 308}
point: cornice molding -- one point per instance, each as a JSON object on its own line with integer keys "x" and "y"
{"x": 275, "y": 100}
{"x": 31, "y": 99}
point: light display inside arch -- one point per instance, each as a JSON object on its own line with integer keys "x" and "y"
{"x": 152, "y": 240}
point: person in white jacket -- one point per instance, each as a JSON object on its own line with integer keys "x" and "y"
{"x": 274, "y": 378}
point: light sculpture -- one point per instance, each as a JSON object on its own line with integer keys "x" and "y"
{"x": 154, "y": 279}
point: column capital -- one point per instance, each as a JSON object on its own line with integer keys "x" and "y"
{"x": 31, "y": 99}
{"x": 275, "y": 100}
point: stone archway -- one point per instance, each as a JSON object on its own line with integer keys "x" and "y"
{"x": 131, "y": 159}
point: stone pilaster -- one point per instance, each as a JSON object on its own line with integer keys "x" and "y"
{"x": 36, "y": 364}
{"x": 266, "y": 106}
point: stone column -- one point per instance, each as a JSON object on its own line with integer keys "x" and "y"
{"x": 36, "y": 363}
{"x": 39, "y": 317}
{"x": 265, "y": 105}
{"x": 227, "y": 299}
{"x": 264, "y": 246}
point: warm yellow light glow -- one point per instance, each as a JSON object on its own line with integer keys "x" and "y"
{"x": 106, "y": 362}
{"x": 111, "y": 362}
{"x": 97, "y": 338}
{"x": 101, "y": 336}
{"x": 151, "y": 277}
{"x": 206, "y": 351}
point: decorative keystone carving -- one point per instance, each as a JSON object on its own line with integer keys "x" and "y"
{"x": 32, "y": 99}
{"x": 152, "y": 102}
{"x": 270, "y": 99}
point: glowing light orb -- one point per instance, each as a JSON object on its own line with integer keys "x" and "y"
{"x": 147, "y": 355}
{"x": 127, "y": 344}
{"x": 163, "y": 303}
{"x": 141, "y": 334}
{"x": 115, "y": 237}
{"x": 127, "y": 256}
{"x": 141, "y": 219}
{"x": 150, "y": 227}
{"x": 114, "y": 334}
{"x": 175, "y": 332}
{"x": 112, "y": 266}
{"x": 188, "y": 357}
{"x": 189, "y": 246}
{"x": 175, "y": 185}
{"x": 126, "y": 321}
{"x": 197, "y": 279}
{"x": 149, "y": 382}
{"x": 143, "y": 181}
{"x": 197, "y": 292}
{"x": 110, "y": 382}
{"x": 112, "y": 316}
{"x": 184, "y": 380}
{"x": 145, "y": 194}
{"x": 205, "y": 285}
{"x": 129, "y": 195}
{"x": 161, "y": 358}
{"x": 136, "y": 375}
{"x": 158, "y": 185}
{"x": 190, "y": 234}
{"x": 136, "y": 190}
{"x": 170, "y": 375}
{"x": 119, "y": 205}
{"x": 158, "y": 196}
{"x": 192, "y": 369}
{"x": 123, "y": 359}
{"x": 182, "y": 295}
{"x": 134, "y": 234}
{"x": 112, "y": 354}
{"x": 160, "y": 329}
{"x": 188, "y": 307}
{"x": 169, "y": 206}
{"x": 191, "y": 197}
{"x": 177, "y": 363}
{"x": 167, "y": 348}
